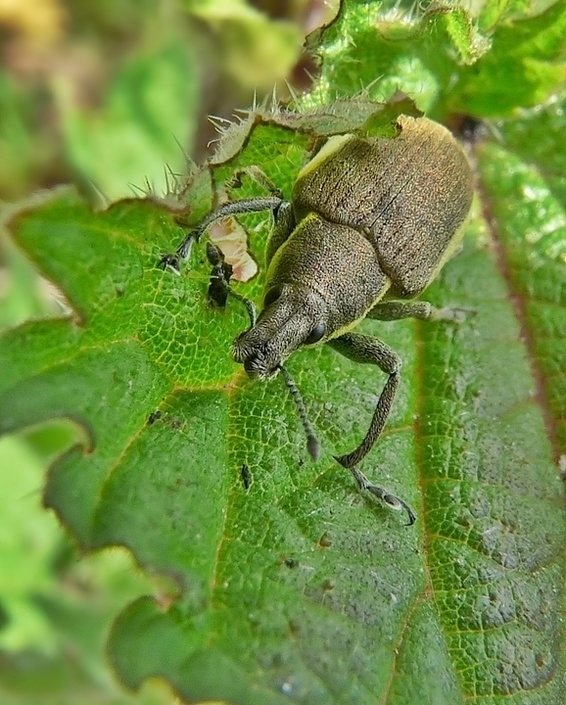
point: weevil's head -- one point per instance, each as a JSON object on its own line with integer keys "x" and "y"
{"x": 292, "y": 316}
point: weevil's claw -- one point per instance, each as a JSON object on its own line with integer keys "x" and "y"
{"x": 172, "y": 263}
{"x": 383, "y": 495}
{"x": 456, "y": 314}
{"x": 393, "y": 501}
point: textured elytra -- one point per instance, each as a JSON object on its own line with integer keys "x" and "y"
{"x": 410, "y": 194}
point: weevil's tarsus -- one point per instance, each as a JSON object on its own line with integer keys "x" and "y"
{"x": 255, "y": 174}
{"x": 383, "y": 495}
{"x": 456, "y": 314}
{"x": 173, "y": 261}
{"x": 313, "y": 444}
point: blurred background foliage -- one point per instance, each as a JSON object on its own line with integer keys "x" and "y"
{"x": 112, "y": 95}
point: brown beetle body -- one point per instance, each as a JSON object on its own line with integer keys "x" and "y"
{"x": 409, "y": 195}
{"x": 370, "y": 220}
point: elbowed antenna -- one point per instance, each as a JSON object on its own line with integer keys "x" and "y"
{"x": 216, "y": 258}
{"x": 313, "y": 444}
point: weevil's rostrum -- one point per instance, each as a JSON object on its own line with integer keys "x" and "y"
{"x": 370, "y": 223}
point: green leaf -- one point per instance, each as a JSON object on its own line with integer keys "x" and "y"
{"x": 292, "y": 586}
{"x": 54, "y": 608}
{"x": 442, "y": 58}
{"x": 254, "y": 50}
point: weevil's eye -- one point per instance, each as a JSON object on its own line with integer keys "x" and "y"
{"x": 271, "y": 296}
{"x": 316, "y": 334}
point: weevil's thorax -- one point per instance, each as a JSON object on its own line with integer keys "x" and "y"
{"x": 321, "y": 281}
{"x": 337, "y": 262}
{"x": 409, "y": 195}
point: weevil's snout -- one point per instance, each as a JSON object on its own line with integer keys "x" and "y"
{"x": 287, "y": 322}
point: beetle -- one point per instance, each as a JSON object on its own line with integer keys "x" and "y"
{"x": 370, "y": 223}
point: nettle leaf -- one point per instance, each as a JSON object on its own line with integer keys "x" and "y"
{"x": 444, "y": 58}
{"x": 293, "y": 587}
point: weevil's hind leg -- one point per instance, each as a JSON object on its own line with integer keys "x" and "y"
{"x": 365, "y": 349}
{"x": 246, "y": 205}
{"x": 395, "y": 310}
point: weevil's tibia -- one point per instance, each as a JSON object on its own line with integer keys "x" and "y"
{"x": 395, "y": 310}
{"x": 365, "y": 349}
{"x": 245, "y": 205}
{"x": 313, "y": 444}
{"x": 216, "y": 258}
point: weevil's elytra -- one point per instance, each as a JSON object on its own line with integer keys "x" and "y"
{"x": 370, "y": 220}
{"x": 409, "y": 198}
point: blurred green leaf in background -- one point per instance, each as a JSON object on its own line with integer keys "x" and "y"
{"x": 289, "y": 587}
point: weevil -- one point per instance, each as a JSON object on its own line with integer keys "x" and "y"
{"x": 370, "y": 223}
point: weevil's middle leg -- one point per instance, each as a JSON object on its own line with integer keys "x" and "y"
{"x": 395, "y": 310}
{"x": 365, "y": 349}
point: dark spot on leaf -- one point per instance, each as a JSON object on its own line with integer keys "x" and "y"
{"x": 154, "y": 416}
{"x": 293, "y": 627}
{"x": 246, "y": 476}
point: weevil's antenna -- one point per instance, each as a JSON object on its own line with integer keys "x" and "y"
{"x": 216, "y": 259}
{"x": 313, "y": 444}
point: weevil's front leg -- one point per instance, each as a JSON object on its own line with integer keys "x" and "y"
{"x": 394, "y": 310}
{"x": 216, "y": 259}
{"x": 365, "y": 349}
{"x": 246, "y": 205}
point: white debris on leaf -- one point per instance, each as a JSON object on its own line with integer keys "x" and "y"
{"x": 232, "y": 239}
